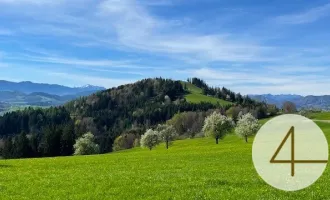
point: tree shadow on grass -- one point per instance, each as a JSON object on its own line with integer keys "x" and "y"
{"x": 219, "y": 182}
{"x": 216, "y": 182}
{"x": 5, "y": 166}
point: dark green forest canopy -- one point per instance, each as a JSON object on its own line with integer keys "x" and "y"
{"x": 107, "y": 114}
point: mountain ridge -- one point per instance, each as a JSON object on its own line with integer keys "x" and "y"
{"x": 28, "y": 87}
{"x": 302, "y": 102}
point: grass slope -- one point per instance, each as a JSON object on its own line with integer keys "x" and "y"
{"x": 196, "y": 95}
{"x": 190, "y": 169}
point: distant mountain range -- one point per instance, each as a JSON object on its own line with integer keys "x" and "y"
{"x": 17, "y": 95}
{"x": 37, "y": 98}
{"x": 28, "y": 87}
{"x": 317, "y": 102}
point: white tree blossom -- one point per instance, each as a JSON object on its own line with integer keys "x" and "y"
{"x": 167, "y": 133}
{"x": 85, "y": 145}
{"x": 247, "y": 125}
{"x": 217, "y": 126}
{"x": 150, "y": 139}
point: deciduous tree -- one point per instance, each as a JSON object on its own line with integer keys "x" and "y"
{"x": 217, "y": 126}
{"x": 85, "y": 145}
{"x": 150, "y": 139}
{"x": 167, "y": 133}
{"x": 247, "y": 125}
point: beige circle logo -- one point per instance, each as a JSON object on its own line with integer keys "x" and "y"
{"x": 290, "y": 152}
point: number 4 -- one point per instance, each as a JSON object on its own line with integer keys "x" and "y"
{"x": 292, "y": 161}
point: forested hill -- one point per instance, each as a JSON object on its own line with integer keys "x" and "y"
{"x": 130, "y": 108}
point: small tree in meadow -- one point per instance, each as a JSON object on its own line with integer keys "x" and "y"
{"x": 247, "y": 125}
{"x": 150, "y": 139}
{"x": 167, "y": 133}
{"x": 85, "y": 145}
{"x": 217, "y": 126}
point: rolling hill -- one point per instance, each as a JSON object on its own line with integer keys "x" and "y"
{"x": 110, "y": 113}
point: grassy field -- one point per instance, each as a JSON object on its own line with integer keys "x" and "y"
{"x": 319, "y": 115}
{"x": 196, "y": 96}
{"x": 190, "y": 169}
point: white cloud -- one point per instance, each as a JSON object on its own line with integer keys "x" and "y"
{"x": 6, "y": 32}
{"x": 263, "y": 82}
{"x": 156, "y": 2}
{"x": 127, "y": 64}
{"x": 137, "y": 28}
{"x": 308, "y": 16}
{"x": 231, "y": 77}
{"x": 296, "y": 69}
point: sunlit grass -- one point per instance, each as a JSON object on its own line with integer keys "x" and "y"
{"x": 190, "y": 169}
{"x": 196, "y": 96}
{"x": 319, "y": 115}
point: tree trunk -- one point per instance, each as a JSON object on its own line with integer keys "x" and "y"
{"x": 217, "y": 140}
{"x": 246, "y": 139}
{"x": 167, "y": 144}
{"x": 150, "y": 148}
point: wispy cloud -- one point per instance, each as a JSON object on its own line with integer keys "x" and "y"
{"x": 49, "y": 58}
{"x": 29, "y": 2}
{"x": 6, "y": 32}
{"x": 137, "y": 28}
{"x": 260, "y": 81}
{"x": 297, "y": 69}
{"x": 128, "y": 25}
{"x": 94, "y": 80}
{"x": 73, "y": 61}
{"x": 307, "y": 16}
{"x": 156, "y": 3}
{"x": 3, "y": 65}
{"x": 128, "y": 38}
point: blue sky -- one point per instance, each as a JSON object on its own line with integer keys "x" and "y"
{"x": 252, "y": 47}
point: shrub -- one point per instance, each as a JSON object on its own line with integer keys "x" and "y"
{"x": 125, "y": 141}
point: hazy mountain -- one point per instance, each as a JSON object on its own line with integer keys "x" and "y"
{"x": 318, "y": 102}
{"x": 37, "y": 98}
{"x": 28, "y": 87}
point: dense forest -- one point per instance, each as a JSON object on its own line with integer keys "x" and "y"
{"x": 110, "y": 113}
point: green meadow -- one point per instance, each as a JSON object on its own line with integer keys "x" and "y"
{"x": 319, "y": 115}
{"x": 189, "y": 169}
{"x": 195, "y": 95}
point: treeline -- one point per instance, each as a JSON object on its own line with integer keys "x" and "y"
{"x": 241, "y": 104}
{"x": 37, "y": 133}
{"x": 222, "y": 93}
